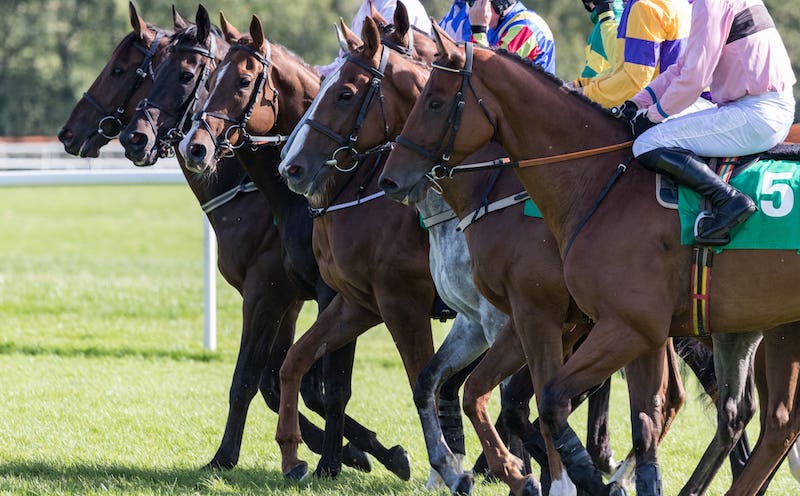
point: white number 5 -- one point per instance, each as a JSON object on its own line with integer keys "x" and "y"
{"x": 777, "y": 194}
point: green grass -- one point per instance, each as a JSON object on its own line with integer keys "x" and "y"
{"x": 106, "y": 388}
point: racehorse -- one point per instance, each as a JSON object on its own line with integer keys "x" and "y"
{"x": 270, "y": 88}
{"x": 344, "y": 116}
{"x": 250, "y": 249}
{"x": 635, "y": 292}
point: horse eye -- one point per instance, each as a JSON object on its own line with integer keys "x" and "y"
{"x": 435, "y": 104}
{"x": 186, "y": 76}
{"x": 244, "y": 82}
{"x": 345, "y": 96}
{"x": 117, "y": 72}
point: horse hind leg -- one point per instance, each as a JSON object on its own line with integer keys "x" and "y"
{"x": 733, "y": 358}
{"x": 780, "y": 417}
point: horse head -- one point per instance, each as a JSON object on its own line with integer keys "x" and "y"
{"x": 361, "y": 107}
{"x": 162, "y": 117}
{"x": 449, "y": 123}
{"x": 245, "y": 94}
{"x": 109, "y": 103}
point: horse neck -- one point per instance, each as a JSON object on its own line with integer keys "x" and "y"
{"x": 465, "y": 193}
{"x": 567, "y": 123}
{"x": 296, "y": 83}
{"x": 261, "y": 165}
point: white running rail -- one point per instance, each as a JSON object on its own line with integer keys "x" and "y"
{"x": 35, "y": 164}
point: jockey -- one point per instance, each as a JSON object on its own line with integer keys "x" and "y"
{"x": 733, "y": 48}
{"x": 417, "y": 16}
{"x": 504, "y": 24}
{"x": 601, "y": 44}
{"x": 650, "y": 36}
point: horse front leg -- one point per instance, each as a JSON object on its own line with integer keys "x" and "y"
{"x": 463, "y": 344}
{"x": 733, "y": 359}
{"x": 656, "y": 394}
{"x": 780, "y": 417}
{"x": 337, "y": 325}
{"x": 503, "y": 359}
{"x": 266, "y": 317}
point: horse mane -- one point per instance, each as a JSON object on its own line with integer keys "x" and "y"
{"x": 552, "y": 78}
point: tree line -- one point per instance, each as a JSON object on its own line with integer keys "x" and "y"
{"x": 53, "y": 49}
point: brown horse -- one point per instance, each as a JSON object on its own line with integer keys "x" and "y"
{"x": 537, "y": 298}
{"x": 635, "y": 289}
{"x": 250, "y": 251}
{"x": 270, "y": 88}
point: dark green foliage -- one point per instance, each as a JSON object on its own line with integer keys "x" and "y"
{"x": 52, "y": 49}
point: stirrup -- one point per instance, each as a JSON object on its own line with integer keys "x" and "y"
{"x": 702, "y": 241}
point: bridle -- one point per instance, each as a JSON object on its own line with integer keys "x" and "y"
{"x": 176, "y": 133}
{"x": 444, "y": 147}
{"x": 224, "y": 148}
{"x": 348, "y": 143}
{"x": 112, "y": 119}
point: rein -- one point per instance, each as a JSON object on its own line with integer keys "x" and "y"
{"x": 442, "y": 170}
{"x": 176, "y": 134}
{"x": 112, "y": 119}
{"x": 225, "y": 148}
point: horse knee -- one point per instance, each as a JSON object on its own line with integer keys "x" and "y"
{"x": 553, "y": 409}
{"x": 733, "y": 418}
{"x": 424, "y": 390}
{"x": 269, "y": 391}
{"x": 475, "y": 398}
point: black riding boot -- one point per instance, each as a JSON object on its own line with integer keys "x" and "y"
{"x": 732, "y": 206}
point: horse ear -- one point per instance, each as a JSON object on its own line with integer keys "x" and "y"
{"x": 178, "y": 21}
{"x": 340, "y": 38}
{"x": 203, "y": 23}
{"x": 231, "y": 33}
{"x": 401, "y": 22}
{"x": 373, "y": 12}
{"x": 137, "y": 23}
{"x": 371, "y": 36}
{"x": 352, "y": 39}
{"x": 444, "y": 44}
{"x": 257, "y": 31}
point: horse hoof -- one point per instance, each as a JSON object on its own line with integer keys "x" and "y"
{"x": 616, "y": 489}
{"x": 355, "y": 458}
{"x": 399, "y": 463}
{"x": 298, "y": 472}
{"x": 219, "y": 465}
{"x": 327, "y": 472}
{"x": 464, "y": 485}
{"x": 531, "y": 488}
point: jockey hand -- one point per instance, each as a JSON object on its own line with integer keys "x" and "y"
{"x": 627, "y": 111}
{"x": 588, "y": 5}
{"x": 641, "y": 123}
{"x": 480, "y": 14}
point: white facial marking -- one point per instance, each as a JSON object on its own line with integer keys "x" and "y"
{"x": 298, "y": 137}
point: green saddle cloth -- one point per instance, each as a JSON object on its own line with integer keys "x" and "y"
{"x": 531, "y": 210}
{"x": 774, "y": 185}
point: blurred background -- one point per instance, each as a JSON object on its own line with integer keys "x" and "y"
{"x": 53, "y": 49}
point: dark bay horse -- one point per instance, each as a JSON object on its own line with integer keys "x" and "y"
{"x": 623, "y": 264}
{"x": 251, "y": 255}
{"x": 264, "y": 88}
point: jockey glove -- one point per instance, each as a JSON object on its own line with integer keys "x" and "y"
{"x": 640, "y": 124}
{"x": 627, "y": 111}
{"x": 601, "y": 6}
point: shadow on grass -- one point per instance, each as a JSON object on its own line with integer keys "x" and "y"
{"x": 10, "y": 348}
{"x": 44, "y": 478}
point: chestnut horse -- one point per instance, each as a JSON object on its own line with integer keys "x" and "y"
{"x": 270, "y": 88}
{"x": 537, "y": 298}
{"x": 250, "y": 250}
{"x": 635, "y": 292}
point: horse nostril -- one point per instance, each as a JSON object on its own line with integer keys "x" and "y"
{"x": 197, "y": 152}
{"x": 294, "y": 171}
{"x": 388, "y": 185}
{"x": 64, "y": 135}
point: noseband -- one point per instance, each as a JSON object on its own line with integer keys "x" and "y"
{"x": 441, "y": 154}
{"x": 224, "y": 147}
{"x": 175, "y": 135}
{"x": 348, "y": 143}
{"x": 113, "y": 118}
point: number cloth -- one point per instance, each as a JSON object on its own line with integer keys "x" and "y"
{"x": 775, "y": 187}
